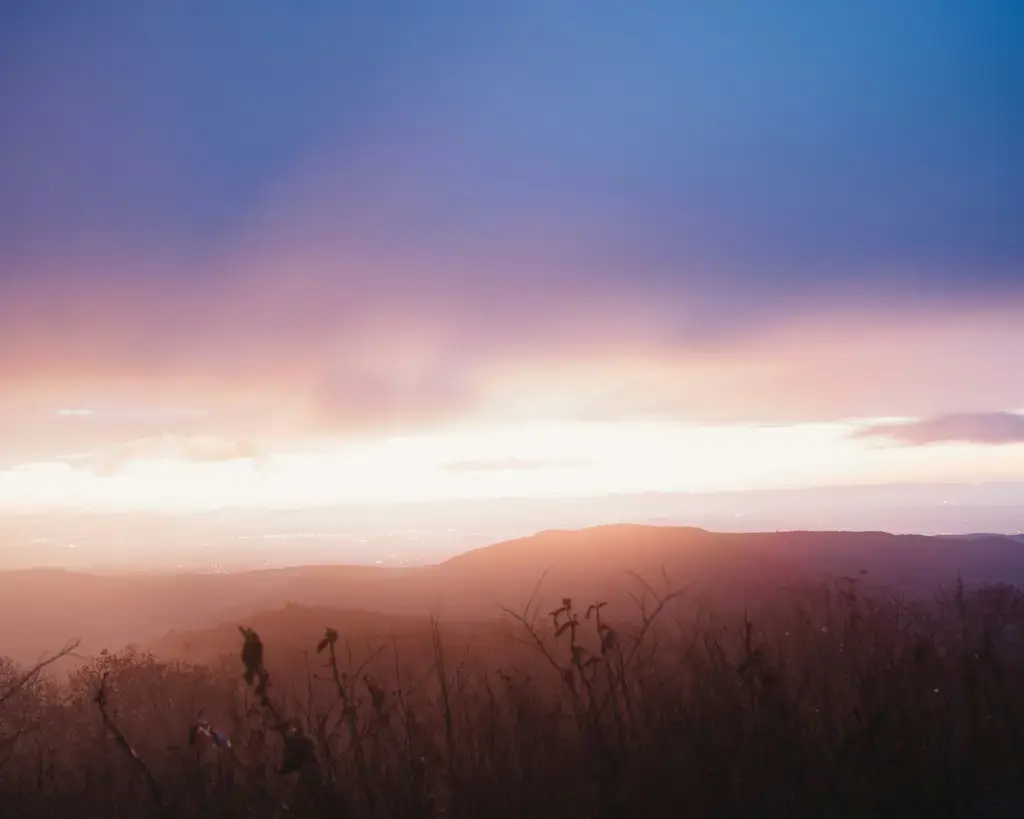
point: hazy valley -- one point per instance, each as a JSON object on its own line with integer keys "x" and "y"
{"x": 109, "y": 610}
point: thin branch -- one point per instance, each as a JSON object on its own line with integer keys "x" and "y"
{"x": 35, "y": 671}
{"x": 536, "y": 590}
{"x": 122, "y": 741}
{"x": 648, "y": 621}
{"x": 537, "y": 642}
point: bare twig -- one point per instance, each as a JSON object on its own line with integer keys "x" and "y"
{"x": 350, "y": 715}
{"x": 122, "y": 741}
{"x": 35, "y": 671}
{"x": 531, "y": 601}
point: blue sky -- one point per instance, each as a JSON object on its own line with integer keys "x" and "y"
{"x": 778, "y": 141}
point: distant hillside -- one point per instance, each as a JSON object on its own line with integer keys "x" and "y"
{"x": 717, "y": 561}
{"x": 985, "y": 536}
{"x": 41, "y": 609}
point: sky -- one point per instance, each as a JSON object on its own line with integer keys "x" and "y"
{"x": 270, "y": 254}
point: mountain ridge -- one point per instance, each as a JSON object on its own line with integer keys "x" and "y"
{"x": 108, "y": 611}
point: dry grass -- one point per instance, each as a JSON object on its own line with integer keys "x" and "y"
{"x": 836, "y": 704}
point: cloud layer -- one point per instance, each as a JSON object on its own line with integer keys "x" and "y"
{"x": 505, "y": 464}
{"x": 191, "y": 449}
{"x": 990, "y": 428}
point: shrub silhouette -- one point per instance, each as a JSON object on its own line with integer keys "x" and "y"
{"x": 840, "y": 703}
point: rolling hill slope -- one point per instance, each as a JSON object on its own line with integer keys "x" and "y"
{"x": 42, "y": 609}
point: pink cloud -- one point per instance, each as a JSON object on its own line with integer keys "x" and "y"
{"x": 269, "y": 346}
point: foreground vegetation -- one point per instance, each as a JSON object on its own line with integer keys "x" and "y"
{"x": 834, "y": 703}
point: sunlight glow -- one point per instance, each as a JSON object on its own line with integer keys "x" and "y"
{"x": 538, "y": 460}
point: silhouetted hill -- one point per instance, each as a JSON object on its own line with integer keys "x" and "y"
{"x": 740, "y": 563}
{"x": 985, "y": 536}
{"x": 42, "y": 609}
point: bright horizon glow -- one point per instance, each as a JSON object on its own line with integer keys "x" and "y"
{"x": 526, "y": 460}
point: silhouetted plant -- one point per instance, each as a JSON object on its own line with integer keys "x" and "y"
{"x": 834, "y": 702}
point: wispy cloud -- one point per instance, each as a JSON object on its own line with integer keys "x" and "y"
{"x": 191, "y": 448}
{"x": 991, "y": 428}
